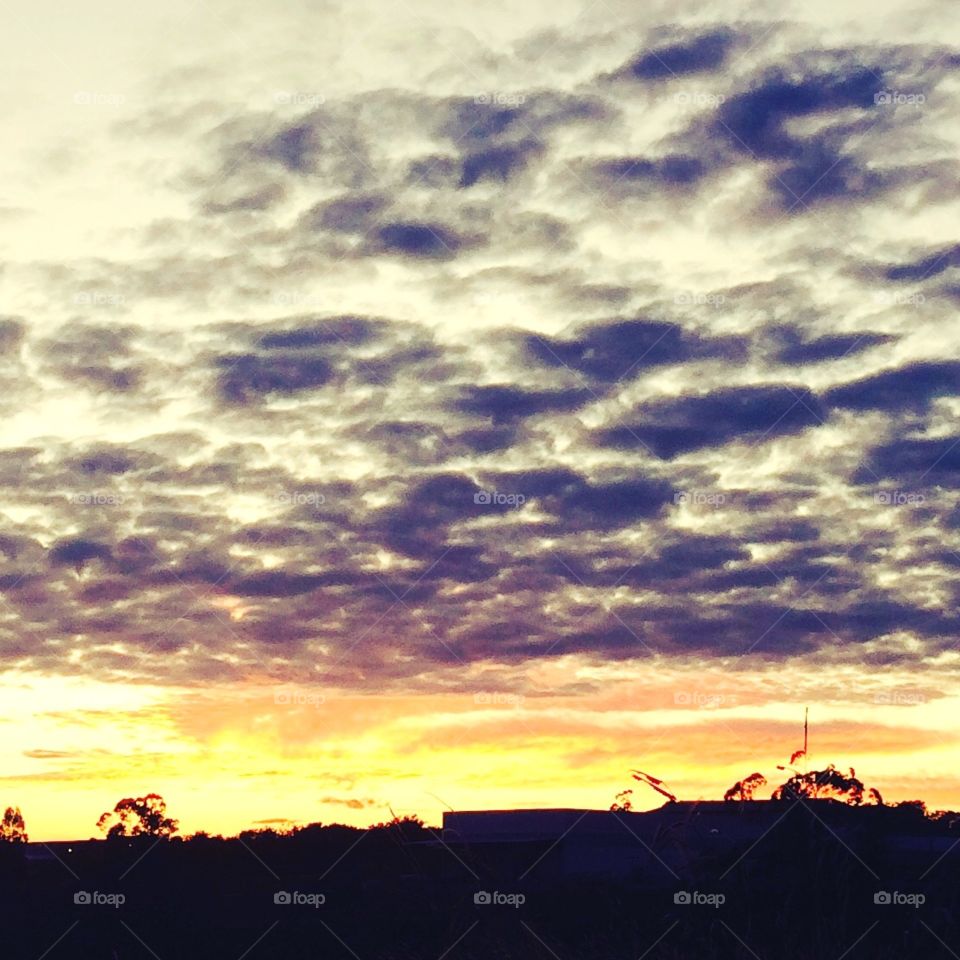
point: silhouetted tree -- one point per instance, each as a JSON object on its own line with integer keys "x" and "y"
{"x": 262, "y": 833}
{"x": 139, "y": 817}
{"x": 622, "y": 802}
{"x": 829, "y": 783}
{"x": 12, "y": 827}
{"x": 745, "y": 789}
{"x": 951, "y": 818}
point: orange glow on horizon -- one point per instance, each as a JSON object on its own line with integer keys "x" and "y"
{"x": 240, "y": 757}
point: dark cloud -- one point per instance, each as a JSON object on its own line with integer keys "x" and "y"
{"x": 952, "y": 520}
{"x": 96, "y": 356}
{"x": 547, "y": 482}
{"x": 293, "y": 148}
{"x": 77, "y": 551}
{"x": 609, "y": 505}
{"x": 488, "y": 440}
{"x": 498, "y": 163}
{"x": 244, "y": 378}
{"x": 911, "y": 387}
{"x": 472, "y": 120}
{"x": 927, "y": 266}
{"x": 674, "y": 170}
{"x": 413, "y": 442}
{"x": 820, "y": 172}
{"x": 506, "y": 403}
{"x": 615, "y": 349}
{"x": 460, "y": 563}
{"x": 756, "y": 121}
{"x": 349, "y": 213}
{"x": 108, "y": 461}
{"x": 304, "y": 354}
{"x": 787, "y": 530}
{"x": 482, "y": 523}
{"x": 516, "y": 118}
{"x": 617, "y": 642}
{"x": 917, "y": 462}
{"x": 431, "y": 241}
{"x": 792, "y": 346}
{"x": 423, "y": 359}
{"x": 108, "y": 591}
{"x": 328, "y": 143}
{"x": 672, "y": 427}
{"x": 434, "y": 170}
{"x": 276, "y": 583}
{"x": 196, "y": 567}
{"x": 698, "y": 553}
{"x": 11, "y": 334}
{"x": 329, "y": 331}
{"x": 11, "y": 547}
{"x": 695, "y": 54}
{"x": 418, "y": 525}
{"x": 825, "y": 165}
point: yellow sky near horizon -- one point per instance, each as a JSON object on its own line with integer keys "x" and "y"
{"x": 237, "y": 757}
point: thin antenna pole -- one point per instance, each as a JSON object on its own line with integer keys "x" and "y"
{"x": 806, "y": 718}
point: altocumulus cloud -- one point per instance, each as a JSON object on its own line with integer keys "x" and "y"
{"x": 613, "y": 357}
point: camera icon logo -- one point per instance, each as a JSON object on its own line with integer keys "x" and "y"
{"x": 482, "y": 897}
{"x": 82, "y": 897}
{"x": 282, "y": 897}
{"x": 482, "y": 497}
{"x": 881, "y": 896}
{"x": 682, "y": 897}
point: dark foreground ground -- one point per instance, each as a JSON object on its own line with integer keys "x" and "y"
{"x": 810, "y": 887}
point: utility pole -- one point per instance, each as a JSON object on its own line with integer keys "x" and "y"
{"x": 806, "y": 717}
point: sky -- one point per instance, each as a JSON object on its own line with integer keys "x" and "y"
{"x": 418, "y": 406}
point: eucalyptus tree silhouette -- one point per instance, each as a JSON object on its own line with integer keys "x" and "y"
{"x": 139, "y": 817}
{"x": 12, "y": 827}
{"x": 827, "y": 784}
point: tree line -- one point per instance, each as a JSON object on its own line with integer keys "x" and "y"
{"x": 146, "y": 816}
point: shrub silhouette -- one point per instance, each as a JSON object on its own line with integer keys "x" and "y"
{"x": 623, "y": 802}
{"x": 745, "y": 789}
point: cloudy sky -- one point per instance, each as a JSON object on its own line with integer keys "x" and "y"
{"x": 413, "y": 404}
